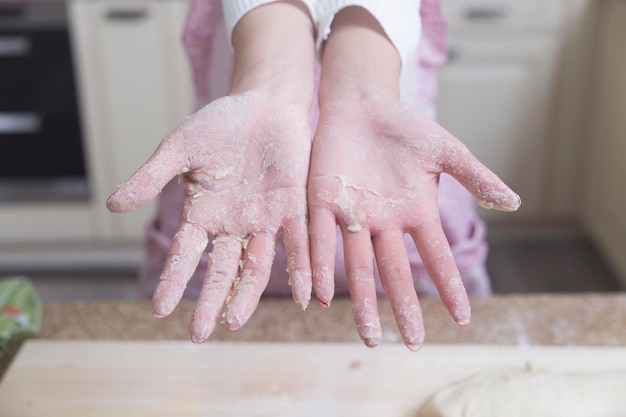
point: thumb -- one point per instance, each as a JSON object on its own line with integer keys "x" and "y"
{"x": 166, "y": 162}
{"x": 487, "y": 187}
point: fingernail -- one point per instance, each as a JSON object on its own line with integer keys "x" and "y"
{"x": 198, "y": 336}
{"x": 199, "y": 331}
{"x": 414, "y": 347}
{"x": 116, "y": 190}
{"x": 111, "y": 204}
{"x": 198, "y": 339}
{"x": 233, "y": 327}
{"x": 303, "y": 304}
{"x": 486, "y": 204}
{"x": 371, "y": 334}
{"x": 463, "y": 322}
{"x": 414, "y": 341}
{"x": 162, "y": 305}
{"x": 111, "y": 199}
{"x": 232, "y": 320}
{"x": 303, "y": 299}
{"x": 509, "y": 203}
{"x": 462, "y": 317}
{"x": 161, "y": 311}
{"x": 323, "y": 303}
{"x": 370, "y": 342}
{"x": 512, "y": 203}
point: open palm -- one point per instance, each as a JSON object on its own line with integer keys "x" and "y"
{"x": 244, "y": 161}
{"x": 375, "y": 168}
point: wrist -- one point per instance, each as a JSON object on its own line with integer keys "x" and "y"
{"x": 276, "y": 83}
{"x": 274, "y": 52}
{"x": 358, "y": 60}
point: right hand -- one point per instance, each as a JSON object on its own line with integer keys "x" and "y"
{"x": 375, "y": 169}
{"x": 244, "y": 161}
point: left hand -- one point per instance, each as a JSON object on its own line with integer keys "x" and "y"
{"x": 375, "y": 170}
{"x": 243, "y": 161}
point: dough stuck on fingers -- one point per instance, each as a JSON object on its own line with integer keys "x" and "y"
{"x": 529, "y": 393}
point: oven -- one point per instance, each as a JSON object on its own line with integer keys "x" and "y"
{"x": 42, "y": 156}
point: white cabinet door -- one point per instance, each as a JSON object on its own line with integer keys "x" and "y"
{"x": 495, "y": 96}
{"x": 130, "y": 65}
{"x": 46, "y": 223}
{"x": 605, "y": 200}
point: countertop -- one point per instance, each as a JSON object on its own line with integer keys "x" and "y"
{"x": 589, "y": 319}
{"x": 564, "y": 319}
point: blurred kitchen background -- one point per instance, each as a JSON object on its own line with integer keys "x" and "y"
{"x": 535, "y": 88}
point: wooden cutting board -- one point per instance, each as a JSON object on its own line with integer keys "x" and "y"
{"x": 178, "y": 379}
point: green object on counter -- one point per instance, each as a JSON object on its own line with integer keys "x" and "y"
{"x": 20, "y": 311}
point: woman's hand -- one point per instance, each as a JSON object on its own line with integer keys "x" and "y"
{"x": 375, "y": 167}
{"x": 375, "y": 170}
{"x": 243, "y": 161}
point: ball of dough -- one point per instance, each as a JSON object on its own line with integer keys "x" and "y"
{"x": 528, "y": 393}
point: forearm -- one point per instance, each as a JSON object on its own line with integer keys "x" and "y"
{"x": 358, "y": 59}
{"x": 274, "y": 51}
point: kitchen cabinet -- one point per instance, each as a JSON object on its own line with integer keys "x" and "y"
{"x": 605, "y": 199}
{"x": 135, "y": 89}
{"x": 503, "y": 92}
{"x": 42, "y": 173}
{"x": 495, "y": 97}
{"x": 515, "y": 91}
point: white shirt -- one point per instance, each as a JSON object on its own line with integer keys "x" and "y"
{"x": 400, "y": 19}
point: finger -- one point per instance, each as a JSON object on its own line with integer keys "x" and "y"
{"x": 296, "y": 238}
{"x": 397, "y": 279}
{"x": 182, "y": 260}
{"x": 247, "y": 290}
{"x": 323, "y": 246}
{"x": 487, "y": 187}
{"x": 166, "y": 162}
{"x": 359, "y": 263}
{"x": 222, "y": 271}
{"x": 436, "y": 254}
